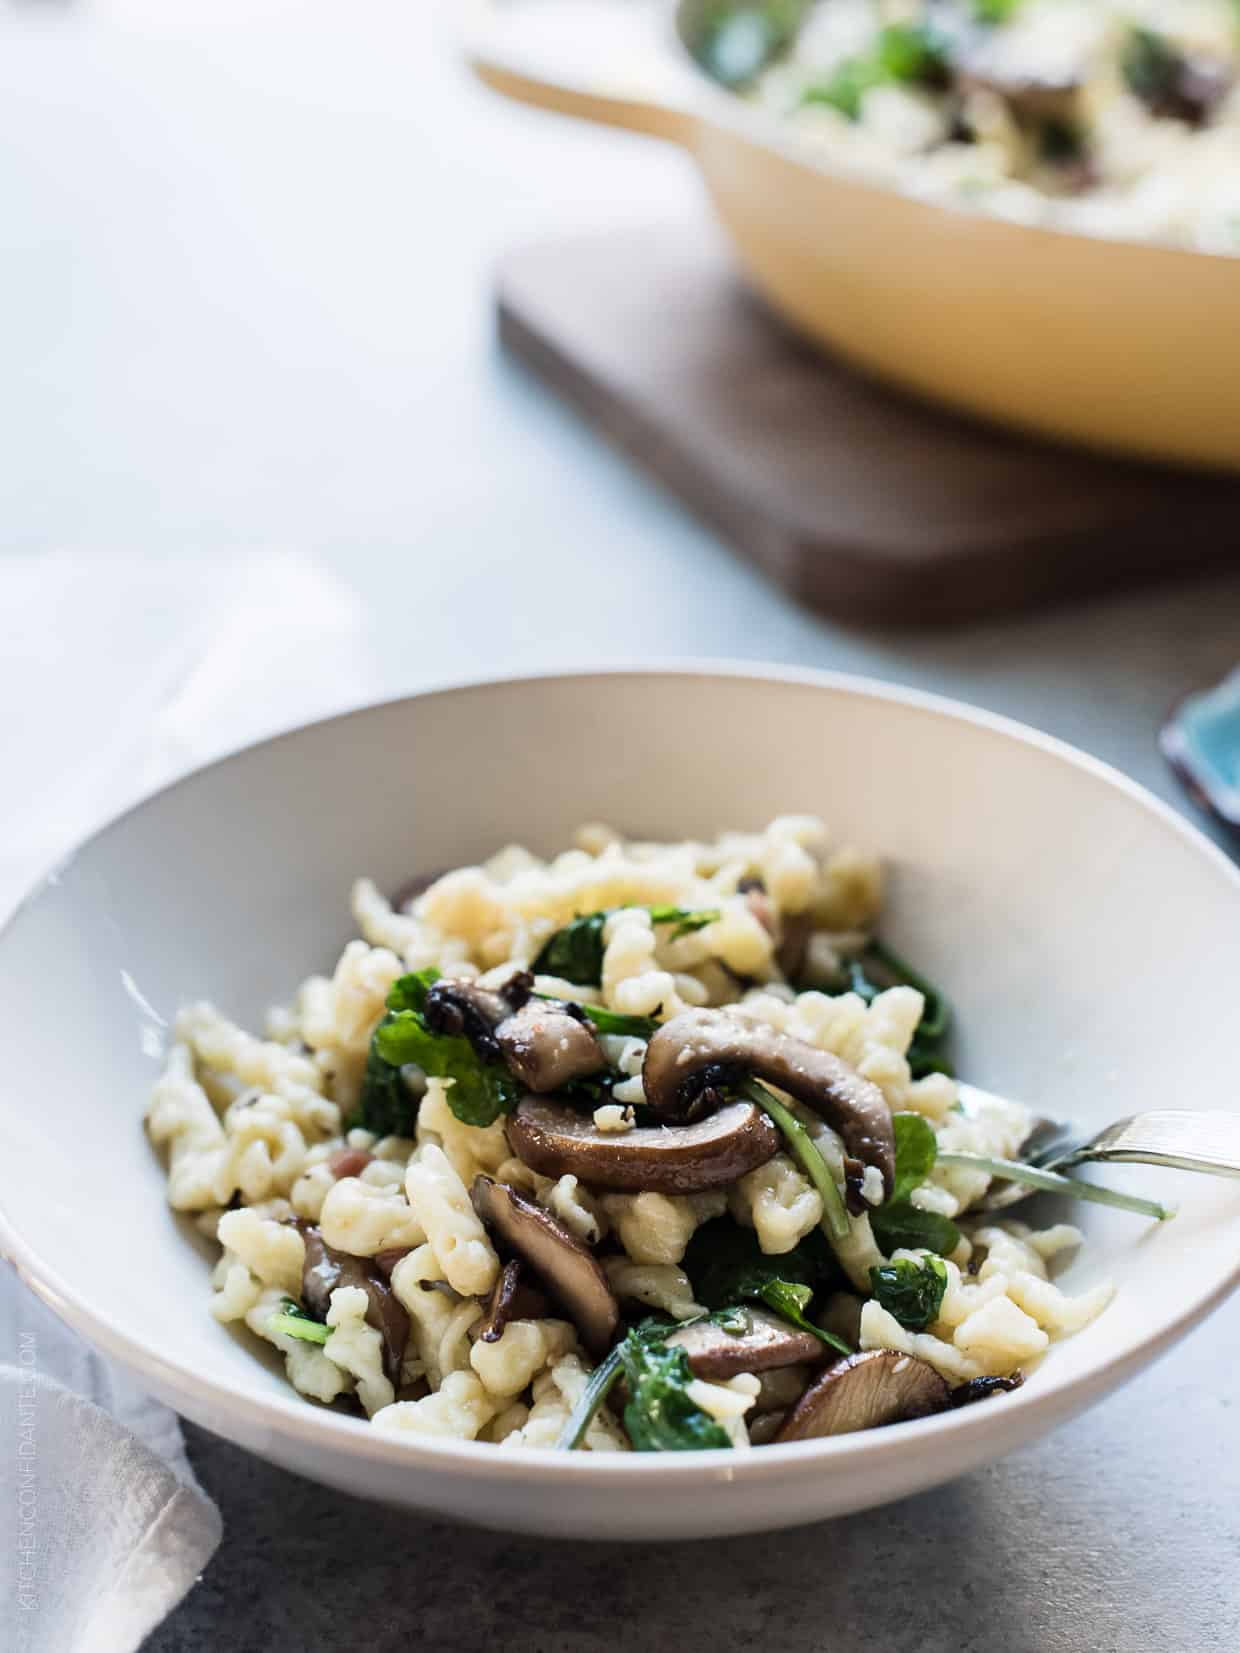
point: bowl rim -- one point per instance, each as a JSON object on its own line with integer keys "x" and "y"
{"x": 295, "y": 1422}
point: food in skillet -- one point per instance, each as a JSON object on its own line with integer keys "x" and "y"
{"x": 1113, "y": 117}
{"x": 645, "y": 1146}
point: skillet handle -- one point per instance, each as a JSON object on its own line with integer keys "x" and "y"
{"x": 615, "y": 62}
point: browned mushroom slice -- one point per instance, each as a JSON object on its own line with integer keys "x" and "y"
{"x": 511, "y": 1299}
{"x": 565, "y": 1267}
{"x": 547, "y": 1046}
{"x": 463, "y": 1008}
{"x": 556, "y": 1140}
{"x": 691, "y": 1060}
{"x": 841, "y": 1315}
{"x": 968, "y": 1394}
{"x": 866, "y": 1391}
{"x": 766, "y": 1342}
{"x": 794, "y": 933}
{"x": 1028, "y": 97}
{"x": 326, "y": 1268}
{"x": 765, "y": 1429}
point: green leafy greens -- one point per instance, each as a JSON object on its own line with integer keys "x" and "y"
{"x": 611, "y": 1021}
{"x": 911, "y": 1291}
{"x": 386, "y": 1107}
{"x": 899, "y": 1225}
{"x": 575, "y": 953}
{"x": 790, "y": 1303}
{"x": 917, "y": 1149}
{"x": 687, "y": 920}
{"x": 904, "y": 53}
{"x": 726, "y": 1264}
{"x": 293, "y": 1321}
{"x": 659, "y": 1414}
{"x": 1054, "y": 1182}
{"x": 1151, "y": 66}
{"x": 734, "y": 39}
{"x": 803, "y": 1148}
{"x": 479, "y": 1093}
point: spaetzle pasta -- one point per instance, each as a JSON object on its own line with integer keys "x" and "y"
{"x": 640, "y": 1111}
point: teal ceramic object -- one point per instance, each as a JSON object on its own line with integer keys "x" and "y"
{"x": 1201, "y": 741}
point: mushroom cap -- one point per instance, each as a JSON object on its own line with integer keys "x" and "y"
{"x": 982, "y": 1388}
{"x": 710, "y": 1048}
{"x": 511, "y": 1299}
{"x": 326, "y": 1268}
{"x": 767, "y": 1342}
{"x": 565, "y": 1266}
{"x": 555, "y": 1139}
{"x": 547, "y": 1047}
{"x": 866, "y": 1391}
{"x": 456, "y": 1006}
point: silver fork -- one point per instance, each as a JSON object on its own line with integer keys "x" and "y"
{"x": 1183, "y": 1139}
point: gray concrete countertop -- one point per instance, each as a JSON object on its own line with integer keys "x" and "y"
{"x": 246, "y": 247}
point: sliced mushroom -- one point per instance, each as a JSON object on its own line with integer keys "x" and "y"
{"x": 794, "y": 933}
{"x": 511, "y": 1299}
{"x": 691, "y": 1060}
{"x": 1051, "y": 97}
{"x": 841, "y": 1314}
{"x": 966, "y": 1394}
{"x": 766, "y": 1342}
{"x": 463, "y": 1008}
{"x": 555, "y": 1140}
{"x": 386, "y": 1261}
{"x": 866, "y": 1391}
{"x": 326, "y": 1268}
{"x": 765, "y": 1429}
{"x": 565, "y": 1267}
{"x": 548, "y": 1045}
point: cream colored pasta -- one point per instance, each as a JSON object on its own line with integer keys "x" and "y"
{"x": 1114, "y": 153}
{"x": 656, "y": 1228}
{"x": 660, "y": 1286}
{"x": 416, "y": 1281}
{"x": 508, "y": 1422}
{"x": 555, "y": 1395}
{"x": 470, "y": 1149}
{"x": 357, "y": 1347}
{"x": 236, "y": 1290}
{"x": 727, "y": 1403}
{"x": 509, "y": 1365}
{"x": 457, "y": 1410}
{"x": 580, "y": 1211}
{"x": 273, "y": 1251}
{"x": 441, "y": 1203}
{"x": 309, "y": 1369}
{"x": 182, "y": 1120}
{"x": 778, "y": 1202}
{"x": 361, "y": 1219}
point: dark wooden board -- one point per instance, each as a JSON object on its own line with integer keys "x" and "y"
{"x": 854, "y": 497}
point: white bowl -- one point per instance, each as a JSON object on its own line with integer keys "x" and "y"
{"x": 1089, "y": 937}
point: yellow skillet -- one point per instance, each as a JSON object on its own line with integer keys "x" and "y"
{"x": 1118, "y": 345}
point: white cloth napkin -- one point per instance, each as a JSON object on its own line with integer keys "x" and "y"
{"x": 109, "y": 1527}
{"x": 128, "y": 673}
